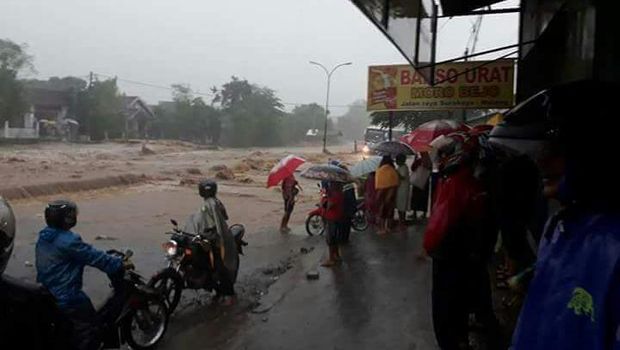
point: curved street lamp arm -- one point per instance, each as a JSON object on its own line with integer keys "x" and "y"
{"x": 338, "y": 66}
{"x": 320, "y": 65}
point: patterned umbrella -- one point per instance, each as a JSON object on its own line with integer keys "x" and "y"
{"x": 365, "y": 166}
{"x": 327, "y": 173}
{"x": 420, "y": 138}
{"x": 392, "y": 148}
{"x": 285, "y": 168}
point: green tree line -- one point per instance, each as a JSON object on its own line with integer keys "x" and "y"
{"x": 240, "y": 113}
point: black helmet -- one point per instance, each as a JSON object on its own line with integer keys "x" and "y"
{"x": 207, "y": 188}
{"x": 61, "y": 214}
{"x": 7, "y": 233}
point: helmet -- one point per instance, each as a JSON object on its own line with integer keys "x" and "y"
{"x": 7, "y": 233}
{"x": 61, "y": 214}
{"x": 207, "y": 188}
{"x": 452, "y": 150}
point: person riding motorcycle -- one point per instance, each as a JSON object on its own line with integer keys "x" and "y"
{"x": 210, "y": 223}
{"x": 61, "y": 256}
{"x": 573, "y": 300}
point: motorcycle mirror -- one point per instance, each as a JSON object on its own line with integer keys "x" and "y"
{"x": 174, "y": 222}
{"x": 128, "y": 253}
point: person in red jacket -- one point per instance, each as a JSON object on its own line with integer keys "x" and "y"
{"x": 455, "y": 239}
{"x": 334, "y": 215}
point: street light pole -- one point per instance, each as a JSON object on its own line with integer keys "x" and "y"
{"x": 328, "y": 73}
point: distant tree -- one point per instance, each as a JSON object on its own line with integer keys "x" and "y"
{"x": 99, "y": 110}
{"x": 13, "y": 60}
{"x": 187, "y": 117}
{"x": 354, "y": 121}
{"x": 252, "y": 114}
{"x": 302, "y": 118}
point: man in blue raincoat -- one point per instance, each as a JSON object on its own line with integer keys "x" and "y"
{"x": 61, "y": 256}
{"x": 573, "y": 301}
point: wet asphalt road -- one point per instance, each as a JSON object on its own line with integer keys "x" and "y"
{"x": 378, "y": 298}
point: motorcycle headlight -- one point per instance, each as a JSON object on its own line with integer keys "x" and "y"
{"x": 170, "y": 248}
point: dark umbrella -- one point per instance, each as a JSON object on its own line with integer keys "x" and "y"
{"x": 392, "y": 148}
{"x": 327, "y": 173}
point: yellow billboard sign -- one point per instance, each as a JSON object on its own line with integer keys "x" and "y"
{"x": 473, "y": 84}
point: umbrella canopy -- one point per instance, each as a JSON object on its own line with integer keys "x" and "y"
{"x": 330, "y": 173}
{"x": 420, "y": 138}
{"x": 366, "y": 166}
{"x": 285, "y": 168}
{"x": 392, "y": 148}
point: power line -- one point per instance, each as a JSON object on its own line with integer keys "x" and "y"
{"x": 195, "y": 92}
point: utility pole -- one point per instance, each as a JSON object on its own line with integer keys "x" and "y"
{"x": 329, "y": 77}
{"x": 90, "y": 80}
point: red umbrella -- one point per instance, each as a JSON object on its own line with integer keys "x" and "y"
{"x": 285, "y": 168}
{"x": 420, "y": 138}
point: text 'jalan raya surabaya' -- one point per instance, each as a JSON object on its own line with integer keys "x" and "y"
{"x": 480, "y": 75}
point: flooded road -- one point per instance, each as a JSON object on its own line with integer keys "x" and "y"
{"x": 379, "y": 297}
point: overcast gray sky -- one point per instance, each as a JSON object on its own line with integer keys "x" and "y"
{"x": 203, "y": 42}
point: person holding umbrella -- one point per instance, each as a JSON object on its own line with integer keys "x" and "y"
{"x": 290, "y": 190}
{"x": 386, "y": 184}
{"x": 334, "y": 217}
{"x": 335, "y": 177}
{"x": 283, "y": 172}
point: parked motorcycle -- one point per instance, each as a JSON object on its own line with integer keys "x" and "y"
{"x": 190, "y": 265}
{"x": 135, "y": 314}
{"x": 315, "y": 221}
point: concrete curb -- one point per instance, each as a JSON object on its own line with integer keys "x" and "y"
{"x": 31, "y": 191}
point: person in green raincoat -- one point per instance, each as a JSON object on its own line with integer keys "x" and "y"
{"x": 210, "y": 222}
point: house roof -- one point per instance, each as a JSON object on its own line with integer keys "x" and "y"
{"x": 40, "y": 97}
{"x": 133, "y": 105}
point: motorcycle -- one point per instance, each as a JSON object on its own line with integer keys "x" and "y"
{"x": 315, "y": 221}
{"x": 135, "y": 314}
{"x": 190, "y": 265}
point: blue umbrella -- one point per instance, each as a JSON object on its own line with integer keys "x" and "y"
{"x": 328, "y": 173}
{"x": 366, "y": 166}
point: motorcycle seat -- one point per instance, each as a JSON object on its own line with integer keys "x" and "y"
{"x": 237, "y": 231}
{"x": 23, "y": 286}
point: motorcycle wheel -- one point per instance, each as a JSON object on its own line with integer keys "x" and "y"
{"x": 145, "y": 326}
{"x": 170, "y": 284}
{"x": 359, "y": 222}
{"x": 315, "y": 225}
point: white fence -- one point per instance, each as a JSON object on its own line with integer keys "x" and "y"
{"x": 19, "y": 133}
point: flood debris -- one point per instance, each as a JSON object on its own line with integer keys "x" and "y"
{"x": 146, "y": 151}
{"x": 193, "y": 171}
{"x": 105, "y": 238}
{"x": 312, "y": 275}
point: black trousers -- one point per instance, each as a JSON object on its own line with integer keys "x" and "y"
{"x": 450, "y": 306}
{"x": 85, "y": 322}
